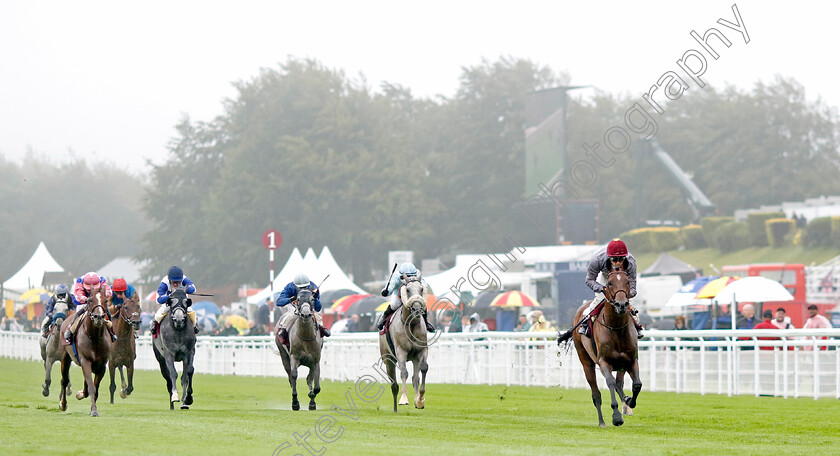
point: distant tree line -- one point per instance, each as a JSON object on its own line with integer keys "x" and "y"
{"x": 327, "y": 160}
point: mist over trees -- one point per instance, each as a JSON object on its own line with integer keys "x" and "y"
{"x": 87, "y": 214}
{"x": 327, "y": 160}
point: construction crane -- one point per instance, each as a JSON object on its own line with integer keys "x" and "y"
{"x": 700, "y": 204}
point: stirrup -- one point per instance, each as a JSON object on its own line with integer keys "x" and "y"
{"x": 324, "y": 331}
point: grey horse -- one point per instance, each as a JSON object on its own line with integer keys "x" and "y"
{"x": 176, "y": 342}
{"x": 51, "y": 350}
{"x": 408, "y": 342}
{"x": 305, "y": 346}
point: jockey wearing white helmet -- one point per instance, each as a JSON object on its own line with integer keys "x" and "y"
{"x": 406, "y": 271}
{"x": 289, "y": 295}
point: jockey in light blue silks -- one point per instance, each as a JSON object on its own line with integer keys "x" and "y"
{"x": 174, "y": 279}
{"x": 289, "y": 295}
{"x": 406, "y": 271}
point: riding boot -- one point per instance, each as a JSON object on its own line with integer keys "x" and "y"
{"x": 110, "y": 327}
{"x": 283, "y": 335}
{"x": 584, "y": 327}
{"x": 68, "y": 334}
{"x": 153, "y": 327}
{"x": 388, "y": 312}
{"x": 197, "y": 329}
{"x": 324, "y": 331}
{"x": 429, "y": 327}
{"x": 639, "y": 329}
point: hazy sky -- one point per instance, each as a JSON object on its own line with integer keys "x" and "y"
{"x": 110, "y": 79}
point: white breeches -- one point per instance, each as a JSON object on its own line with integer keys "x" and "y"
{"x": 396, "y": 302}
{"x": 164, "y": 309}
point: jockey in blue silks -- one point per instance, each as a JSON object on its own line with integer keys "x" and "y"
{"x": 174, "y": 280}
{"x": 407, "y": 270}
{"x": 289, "y": 294}
{"x": 62, "y": 293}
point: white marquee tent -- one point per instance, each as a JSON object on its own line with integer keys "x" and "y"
{"x": 31, "y": 275}
{"x": 316, "y": 267}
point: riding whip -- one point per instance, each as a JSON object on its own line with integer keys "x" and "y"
{"x": 385, "y": 290}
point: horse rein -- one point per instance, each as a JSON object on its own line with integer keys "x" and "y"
{"x": 314, "y": 321}
{"x": 610, "y": 298}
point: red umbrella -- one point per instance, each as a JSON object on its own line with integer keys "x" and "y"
{"x": 342, "y": 304}
{"x": 512, "y": 299}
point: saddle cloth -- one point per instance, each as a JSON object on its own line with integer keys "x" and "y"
{"x": 387, "y": 324}
{"x": 283, "y": 340}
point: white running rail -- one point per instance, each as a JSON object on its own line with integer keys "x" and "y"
{"x": 802, "y": 363}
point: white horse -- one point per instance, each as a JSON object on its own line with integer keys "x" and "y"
{"x": 408, "y": 342}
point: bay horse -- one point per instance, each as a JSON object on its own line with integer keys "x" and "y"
{"x": 405, "y": 339}
{"x": 176, "y": 342}
{"x": 51, "y": 349}
{"x": 613, "y": 347}
{"x": 126, "y": 320}
{"x": 305, "y": 344}
{"x": 93, "y": 343}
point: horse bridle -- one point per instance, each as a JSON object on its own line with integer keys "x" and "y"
{"x": 405, "y": 304}
{"x": 314, "y": 320}
{"x": 126, "y": 318}
{"x": 89, "y": 312}
{"x": 610, "y": 298}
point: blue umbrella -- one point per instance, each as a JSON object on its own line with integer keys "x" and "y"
{"x": 208, "y": 307}
{"x": 695, "y": 285}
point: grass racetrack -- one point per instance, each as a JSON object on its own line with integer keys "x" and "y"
{"x": 253, "y": 416}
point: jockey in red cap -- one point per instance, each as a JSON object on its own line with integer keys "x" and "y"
{"x": 615, "y": 254}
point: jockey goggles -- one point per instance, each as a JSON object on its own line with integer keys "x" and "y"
{"x": 617, "y": 259}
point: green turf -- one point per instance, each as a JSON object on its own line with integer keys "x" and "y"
{"x": 252, "y": 415}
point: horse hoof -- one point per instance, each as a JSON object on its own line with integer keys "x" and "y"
{"x": 62, "y": 407}
{"x": 602, "y": 424}
{"x": 80, "y": 395}
{"x": 185, "y": 407}
{"x": 312, "y": 406}
{"x": 129, "y": 390}
{"x": 46, "y": 392}
{"x": 122, "y": 394}
{"x": 188, "y": 400}
{"x": 94, "y": 413}
{"x": 618, "y": 421}
{"x": 174, "y": 398}
{"x": 295, "y": 406}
